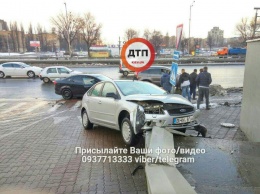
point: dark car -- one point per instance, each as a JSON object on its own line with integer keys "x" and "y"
{"x": 77, "y": 85}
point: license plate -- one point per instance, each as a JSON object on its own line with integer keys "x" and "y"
{"x": 182, "y": 120}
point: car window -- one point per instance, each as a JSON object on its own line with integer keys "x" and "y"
{"x": 155, "y": 71}
{"x": 89, "y": 80}
{"x": 108, "y": 88}
{"x": 96, "y": 90}
{"x": 52, "y": 70}
{"x": 16, "y": 66}
{"x": 63, "y": 70}
{"x": 8, "y": 65}
{"x": 77, "y": 79}
{"x": 145, "y": 72}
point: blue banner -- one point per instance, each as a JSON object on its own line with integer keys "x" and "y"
{"x": 174, "y": 71}
{"x": 176, "y": 55}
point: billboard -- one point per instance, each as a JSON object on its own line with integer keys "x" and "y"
{"x": 99, "y": 54}
{"x": 35, "y": 43}
{"x": 178, "y": 35}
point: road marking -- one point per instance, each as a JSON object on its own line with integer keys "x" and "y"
{"x": 35, "y": 107}
{"x": 59, "y": 119}
{"x": 25, "y": 127}
{"x": 14, "y": 107}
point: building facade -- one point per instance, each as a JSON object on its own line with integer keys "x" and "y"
{"x": 217, "y": 36}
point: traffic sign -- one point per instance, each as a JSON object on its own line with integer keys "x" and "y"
{"x": 176, "y": 55}
{"x": 137, "y": 54}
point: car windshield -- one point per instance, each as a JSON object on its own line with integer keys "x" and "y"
{"x": 138, "y": 87}
{"x": 68, "y": 69}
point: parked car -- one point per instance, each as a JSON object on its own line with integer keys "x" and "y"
{"x": 121, "y": 104}
{"x": 51, "y": 73}
{"x": 77, "y": 85}
{"x": 123, "y": 69}
{"x": 18, "y": 69}
{"x": 153, "y": 74}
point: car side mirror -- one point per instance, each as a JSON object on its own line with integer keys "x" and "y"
{"x": 112, "y": 95}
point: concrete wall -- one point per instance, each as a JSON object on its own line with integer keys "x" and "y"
{"x": 250, "y": 112}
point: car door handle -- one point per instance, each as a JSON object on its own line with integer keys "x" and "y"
{"x": 99, "y": 102}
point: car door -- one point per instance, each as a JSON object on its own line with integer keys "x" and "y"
{"x": 52, "y": 73}
{"x": 8, "y": 69}
{"x": 94, "y": 103}
{"x": 108, "y": 105}
{"x": 63, "y": 72}
{"x": 19, "y": 70}
{"x": 156, "y": 75}
{"x": 76, "y": 85}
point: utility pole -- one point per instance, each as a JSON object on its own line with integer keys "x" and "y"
{"x": 68, "y": 34}
{"x": 189, "y": 27}
{"x": 256, "y": 24}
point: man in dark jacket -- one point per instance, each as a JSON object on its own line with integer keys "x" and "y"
{"x": 165, "y": 82}
{"x": 193, "y": 83}
{"x": 204, "y": 80}
{"x": 185, "y": 84}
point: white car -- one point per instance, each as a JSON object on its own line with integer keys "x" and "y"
{"x": 54, "y": 72}
{"x": 119, "y": 105}
{"x": 18, "y": 69}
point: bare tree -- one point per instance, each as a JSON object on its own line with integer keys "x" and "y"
{"x": 246, "y": 29}
{"x": 23, "y": 38}
{"x": 68, "y": 26}
{"x": 166, "y": 40}
{"x": 156, "y": 40}
{"x": 130, "y": 33}
{"x": 91, "y": 30}
{"x": 147, "y": 34}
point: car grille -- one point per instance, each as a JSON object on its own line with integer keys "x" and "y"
{"x": 177, "y": 109}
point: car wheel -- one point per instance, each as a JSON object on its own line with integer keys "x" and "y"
{"x": 66, "y": 94}
{"x": 31, "y": 74}
{"x": 2, "y": 75}
{"x": 125, "y": 73}
{"x": 127, "y": 132}
{"x": 46, "y": 80}
{"x": 85, "y": 121}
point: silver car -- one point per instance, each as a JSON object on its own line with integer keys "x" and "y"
{"x": 135, "y": 106}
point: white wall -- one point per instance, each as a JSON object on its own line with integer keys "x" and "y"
{"x": 250, "y": 112}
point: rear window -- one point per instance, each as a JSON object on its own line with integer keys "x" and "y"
{"x": 7, "y": 65}
{"x": 52, "y": 70}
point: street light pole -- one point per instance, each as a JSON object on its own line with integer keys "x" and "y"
{"x": 189, "y": 27}
{"x": 67, "y": 28}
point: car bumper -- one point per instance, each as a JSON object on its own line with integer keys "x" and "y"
{"x": 166, "y": 120}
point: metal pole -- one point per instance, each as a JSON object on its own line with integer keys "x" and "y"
{"x": 8, "y": 48}
{"x": 67, "y": 28}
{"x": 189, "y": 28}
{"x": 119, "y": 45}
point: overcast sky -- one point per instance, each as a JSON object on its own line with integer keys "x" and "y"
{"x": 118, "y": 15}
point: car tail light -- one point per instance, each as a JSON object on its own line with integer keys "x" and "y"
{"x": 54, "y": 82}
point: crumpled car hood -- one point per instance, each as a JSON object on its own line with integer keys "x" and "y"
{"x": 178, "y": 99}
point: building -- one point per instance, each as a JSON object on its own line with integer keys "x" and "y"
{"x": 217, "y": 36}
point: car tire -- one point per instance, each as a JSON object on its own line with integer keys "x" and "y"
{"x": 2, "y": 74}
{"x": 46, "y": 80}
{"x": 127, "y": 132}
{"x": 66, "y": 94}
{"x": 30, "y": 74}
{"x": 85, "y": 121}
{"x": 125, "y": 73}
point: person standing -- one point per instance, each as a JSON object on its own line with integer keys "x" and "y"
{"x": 193, "y": 84}
{"x": 185, "y": 84}
{"x": 165, "y": 82}
{"x": 204, "y": 80}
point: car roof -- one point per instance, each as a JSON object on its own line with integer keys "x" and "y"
{"x": 13, "y": 62}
